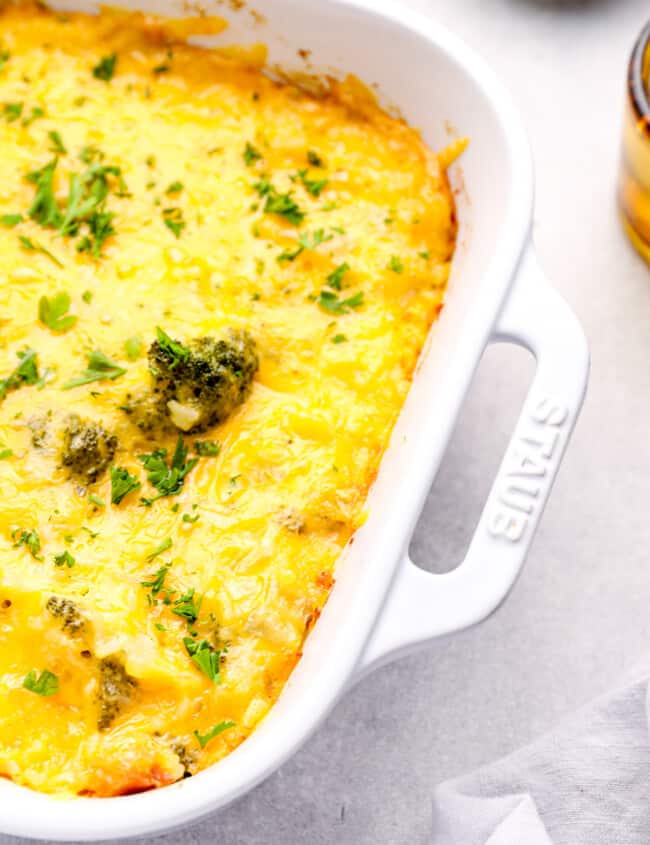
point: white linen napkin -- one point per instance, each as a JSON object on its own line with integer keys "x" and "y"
{"x": 585, "y": 783}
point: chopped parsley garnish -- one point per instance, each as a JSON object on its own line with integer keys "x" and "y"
{"x": 204, "y": 657}
{"x": 122, "y": 483}
{"x": 173, "y": 219}
{"x": 44, "y": 684}
{"x": 167, "y": 479}
{"x": 6, "y": 453}
{"x": 425, "y": 254}
{"x": 88, "y": 190}
{"x": 395, "y": 264}
{"x": 35, "y": 113}
{"x": 12, "y": 111}
{"x": 100, "y": 503}
{"x": 314, "y": 159}
{"x": 133, "y": 348}
{"x": 157, "y": 581}
{"x": 251, "y": 155}
{"x": 174, "y": 188}
{"x": 100, "y": 229}
{"x": 166, "y": 544}
{"x": 53, "y": 312}
{"x": 87, "y": 296}
{"x": 25, "y": 373}
{"x": 85, "y": 210}
{"x": 90, "y": 154}
{"x": 100, "y": 368}
{"x": 30, "y": 540}
{"x": 64, "y": 559}
{"x": 57, "y": 145}
{"x": 191, "y": 519}
{"x": 175, "y": 352}
{"x": 282, "y": 204}
{"x": 33, "y": 246}
{"x": 105, "y": 69}
{"x": 339, "y": 338}
{"x": 205, "y": 738}
{"x": 187, "y": 606}
{"x": 330, "y": 302}
{"x": 44, "y": 208}
{"x": 335, "y": 278}
{"x": 314, "y": 186}
{"x": 304, "y": 243}
{"x": 5, "y": 55}
{"x": 207, "y": 448}
{"x": 11, "y": 220}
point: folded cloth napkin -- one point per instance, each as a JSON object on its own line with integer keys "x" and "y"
{"x": 585, "y": 783}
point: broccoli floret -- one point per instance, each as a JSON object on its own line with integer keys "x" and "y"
{"x": 70, "y": 615}
{"x": 88, "y": 448}
{"x": 198, "y": 385}
{"x": 116, "y": 689}
{"x": 187, "y": 757}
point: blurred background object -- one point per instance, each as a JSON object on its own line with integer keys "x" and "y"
{"x": 634, "y": 187}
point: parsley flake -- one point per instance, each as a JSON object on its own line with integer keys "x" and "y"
{"x": 314, "y": 159}
{"x": 187, "y": 607}
{"x": 100, "y": 368}
{"x": 53, "y": 312}
{"x": 133, "y": 348}
{"x": 11, "y": 220}
{"x": 176, "y": 353}
{"x": 304, "y": 243}
{"x": 207, "y": 448}
{"x": 173, "y": 219}
{"x": 33, "y": 246}
{"x": 330, "y": 302}
{"x": 105, "y": 69}
{"x": 157, "y": 582}
{"x": 335, "y": 278}
{"x": 12, "y": 111}
{"x": 251, "y": 155}
{"x": 281, "y": 204}
{"x": 45, "y": 684}
{"x": 314, "y": 186}
{"x": 122, "y": 483}
{"x": 167, "y": 479}
{"x": 205, "y": 738}
{"x": 30, "y": 540}
{"x": 57, "y": 145}
{"x": 35, "y": 113}
{"x": 395, "y": 264}
{"x": 166, "y": 544}
{"x": 207, "y": 659}
{"x": 64, "y": 559}
{"x": 25, "y": 373}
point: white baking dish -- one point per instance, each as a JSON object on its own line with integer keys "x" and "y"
{"x": 382, "y": 604}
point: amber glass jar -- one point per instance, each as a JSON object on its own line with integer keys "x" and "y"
{"x": 634, "y": 183}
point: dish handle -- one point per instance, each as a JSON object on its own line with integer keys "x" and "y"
{"x": 421, "y": 605}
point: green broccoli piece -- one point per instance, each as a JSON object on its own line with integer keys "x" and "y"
{"x": 198, "y": 385}
{"x": 116, "y": 689}
{"x": 88, "y": 448}
{"x": 187, "y": 757}
{"x": 65, "y": 609}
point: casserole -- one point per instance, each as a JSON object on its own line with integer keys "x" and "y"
{"x": 434, "y": 76}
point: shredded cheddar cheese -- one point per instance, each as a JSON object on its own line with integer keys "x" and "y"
{"x": 158, "y": 578}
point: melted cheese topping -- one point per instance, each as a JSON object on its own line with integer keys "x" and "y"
{"x": 287, "y": 490}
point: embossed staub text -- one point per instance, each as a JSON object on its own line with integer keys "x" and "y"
{"x": 526, "y": 469}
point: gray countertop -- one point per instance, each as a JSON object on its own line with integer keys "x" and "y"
{"x": 579, "y": 614}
